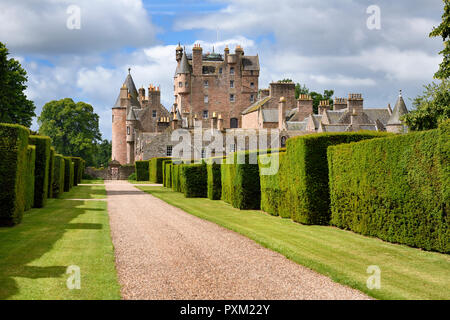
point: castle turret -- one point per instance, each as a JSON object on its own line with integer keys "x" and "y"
{"x": 131, "y": 126}
{"x": 394, "y": 123}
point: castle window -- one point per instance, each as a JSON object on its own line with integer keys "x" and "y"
{"x": 203, "y": 153}
{"x": 154, "y": 113}
{"x": 251, "y": 72}
{"x": 180, "y": 84}
{"x": 231, "y": 83}
{"x": 252, "y": 98}
{"x": 128, "y": 130}
{"x": 231, "y": 70}
{"x": 220, "y": 70}
{"x": 169, "y": 151}
{"x": 206, "y": 99}
{"x": 283, "y": 142}
{"x": 252, "y": 84}
{"x": 205, "y": 84}
{"x": 186, "y": 84}
{"x": 233, "y": 123}
{"x": 231, "y": 97}
{"x": 205, "y": 114}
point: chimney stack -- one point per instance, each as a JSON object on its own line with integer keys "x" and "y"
{"x": 339, "y": 103}
{"x": 324, "y": 105}
{"x": 282, "y": 114}
{"x": 355, "y": 102}
{"x": 220, "y": 123}
{"x": 304, "y": 106}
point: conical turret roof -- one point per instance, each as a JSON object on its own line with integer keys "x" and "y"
{"x": 129, "y": 83}
{"x": 399, "y": 110}
{"x": 184, "y": 66}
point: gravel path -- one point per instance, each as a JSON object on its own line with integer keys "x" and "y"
{"x": 163, "y": 252}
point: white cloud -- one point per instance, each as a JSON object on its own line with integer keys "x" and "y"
{"x": 40, "y": 26}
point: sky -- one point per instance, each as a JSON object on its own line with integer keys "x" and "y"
{"x": 324, "y": 44}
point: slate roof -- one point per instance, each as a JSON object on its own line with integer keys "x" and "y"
{"x": 129, "y": 83}
{"x": 399, "y": 110}
{"x": 380, "y": 114}
{"x": 250, "y": 63}
{"x": 334, "y": 116}
{"x": 334, "y": 127}
{"x": 131, "y": 116}
{"x": 258, "y": 104}
{"x": 270, "y": 115}
{"x": 184, "y": 66}
{"x": 296, "y": 125}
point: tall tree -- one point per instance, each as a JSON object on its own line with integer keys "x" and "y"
{"x": 431, "y": 108}
{"x": 443, "y": 30}
{"x": 14, "y": 105}
{"x": 103, "y": 152}
{"x": 73, "y": 128}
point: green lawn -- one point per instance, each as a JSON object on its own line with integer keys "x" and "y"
{"x": 98, "y": 181}
{"x": 35, "y": 254}
{"x": 86, "y": 192}
{"x": 406, "y": 273}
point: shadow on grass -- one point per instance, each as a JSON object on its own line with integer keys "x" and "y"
{"x": 34, "y": 237}
{"x": 85, "y": 192}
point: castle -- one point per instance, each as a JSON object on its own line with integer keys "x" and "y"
{"x": 220, "y": 92}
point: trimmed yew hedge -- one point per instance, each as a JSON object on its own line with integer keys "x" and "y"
{"x": 394, "y": 188}
{"x": 29, "y": 180}
{"x": 272, "y": 195}
{"x": 142, "y": 170}
{"x": 194, "y": 180}
{"x": 58, "y": 176}
{"x": 214, "y": 181}
{"x": 50, "y": 172}
{"x": 167, "y": 173}
{"x": 68, "y": 174}
{"x": 156, "y": 169}
{"x": 77, "y": 170}
{"x": 306, "y": 174}
{"x": 13, "y": 169}
{"x": 176, "y": 180}
{"x": 42, "y": 144}
{"x": 240, "y": 180}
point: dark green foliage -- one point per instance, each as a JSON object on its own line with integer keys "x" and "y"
{"x": 214, "y": 181}
{"x": 15, "y": 107}
{"x": 73, "y": 128}
{"x": 142, "y": 170}
{"x": 29, "y": 180}
{"x": 443, "y": 31}
{"x": 307, "y": 174}
{"x": 50, "y": 173}
{"x": 68, "y": 174}
{"x": 240, "y": 180}
{"x": 176, "y": 181}
{"x": 194, "y": 180}
{"x": 77, "y": 170}
{"x": 167, "y": 174}
{"x": 58, "y": 176}
{"x": 156, "y": 169}
{"x": 132, "y": 176}
{"x": 272, "y": 196}
{"x": 13, "y": 169}
{"x": 394, "y": 188}
{"x": 42, "y": 144}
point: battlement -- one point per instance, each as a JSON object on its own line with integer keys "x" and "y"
{"x": 355, "y": 96}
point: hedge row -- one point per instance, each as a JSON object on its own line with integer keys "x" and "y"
{"x": 29, "y": 179}
{"x": 176, "y": 177}
{"x": 58, "y": 176}
{"x": 214, "y": 182}
{"x": 194, "y": 180}
{"x": 50, "y": 173}
{"x": 42, "y": 144}
{"x": 142, "y": 170}
{"x": 394, "y": 188}
{"x": 77, "y": 167}
{"x": 68, "y": 174}
{"x": 272, "y": 195}
{"x": 13, "y": 170}
{"x": 241, "y": 180}
{"x": 156, "y": 169}
{"x": 167, "y": 170}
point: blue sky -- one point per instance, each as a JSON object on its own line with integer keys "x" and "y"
{"x": 324, "y": 44}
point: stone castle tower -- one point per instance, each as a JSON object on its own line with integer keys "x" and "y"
{"x": 210, "y": 83}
